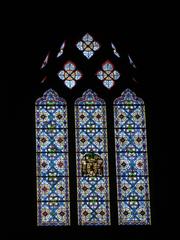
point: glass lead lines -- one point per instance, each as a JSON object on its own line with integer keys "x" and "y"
{"x": 131, "y": 160}
{"x": 69, "y": 75}
{"x": 52, "y": 165}
{"x": 108, "y": 75}
{"x": 88, "y": 46}
{"x": 92, "y": 160}
{"x": 92, "y": 173}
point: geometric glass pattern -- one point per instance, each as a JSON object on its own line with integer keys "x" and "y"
{"x": 52, "y": 167}
{"x": 92, "y": 160}
{"x": 88, "y": 46}
{"x": 114, "y": 50}
{"x": 131, "y": 160}
{"x": 108, "y": 75}
{"x": 69, "y": 75}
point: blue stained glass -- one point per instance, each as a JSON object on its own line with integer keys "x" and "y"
{"x": 88, "y": 46}
{"x": 107, "y": 67}
{"x": 131, "y": 160}
{"x": 108, "y": 75}
{"x": 53, "y": 213}
{"x": 115, "y": 75}
{"x": 134, "y": 212}
{"x": 87, "y": 38}
{"x": 85, "y": 184}
{"x": 70, "y": 83}
{"x": 69, "y": 75}
{"x": 92, "y": 160}
{"x": 69, "y": 66}
{"x": 108, "y": 83}
{"x": 52, "y": 164}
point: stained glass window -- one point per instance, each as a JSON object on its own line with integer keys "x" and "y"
{"x": 45, "y": 62}
{"x": 61, "y": 50}
{"x": 69, "y": 75}
{"x": 88, "y": 46}
{"x": 92, "y": 160}
{"x": 115, "y": 50}
{"x": 131, "y": 62}
{"x": 52, "y": 160}
{"x": 108, "y": 75}
{"x": 131, "y": 160}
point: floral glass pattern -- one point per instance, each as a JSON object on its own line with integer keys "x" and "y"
{"x": 108, "y": 75}
{"x": 52, "y": 165}
{"x": 70, "y": 74}
{"x": 92, "y": 160}
{"x": 131, "y": 160}
{"x": 88, "y": 46}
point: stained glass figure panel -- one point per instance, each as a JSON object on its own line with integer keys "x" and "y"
{"x": 92, "y": 160}
{"x": 131, "y": 160}
{"x": 52, "y": 164}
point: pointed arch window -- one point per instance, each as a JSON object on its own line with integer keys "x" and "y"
{"x": 92, "y": 160}
{"x": 52, "y": 166}
{"x": 131, "y": 160}
{"x": 90, "y": 141}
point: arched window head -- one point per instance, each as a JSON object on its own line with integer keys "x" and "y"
{"x": 88, "y": 139}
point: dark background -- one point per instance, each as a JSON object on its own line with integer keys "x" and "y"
{"x": 32, "y": 42}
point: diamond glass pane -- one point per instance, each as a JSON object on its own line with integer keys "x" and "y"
{"x": 52, "y": 164}
{"x": 92, "y": 160}
{"x": 108, "y": 75}
{"x": 70, "y": 75}
{"x": 88, "y": 46}
{"x": 131, "y": 160}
